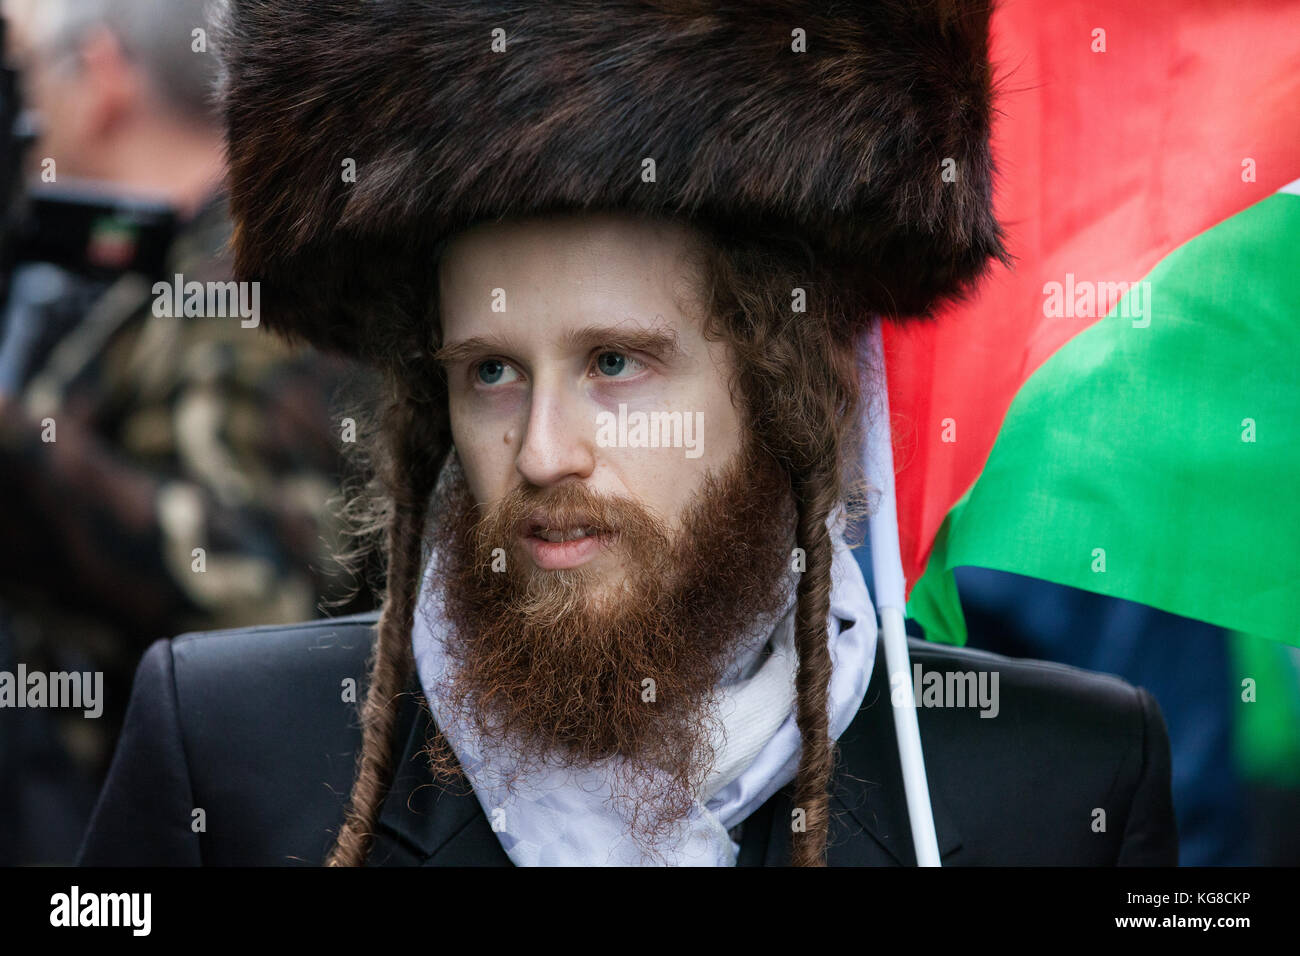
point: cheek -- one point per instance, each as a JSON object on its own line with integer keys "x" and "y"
{"x": 62, "y": 111}
{"x": 666, "y": 479}
{"x": 486, "y": 450}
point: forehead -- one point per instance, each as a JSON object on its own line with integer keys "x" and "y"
{"x": 31, "y": 23}
{"x": 20, "y": 22}
{"x": 570, "y": 270}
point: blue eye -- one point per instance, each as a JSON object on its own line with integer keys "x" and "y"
{"x": 613, "y": 364}
{"x": 492, "y": 371}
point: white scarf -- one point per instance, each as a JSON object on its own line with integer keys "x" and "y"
{"x": 563, "y": 817}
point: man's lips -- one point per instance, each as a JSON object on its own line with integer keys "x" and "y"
{"x": 553, "y": 547}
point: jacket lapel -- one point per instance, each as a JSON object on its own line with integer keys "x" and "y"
{"x": 869, "y": 821}
{"x": 868, "y": 785}
{"x": 422, "y": 823}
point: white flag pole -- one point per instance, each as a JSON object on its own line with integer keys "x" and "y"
{"x": 887, "y": 569}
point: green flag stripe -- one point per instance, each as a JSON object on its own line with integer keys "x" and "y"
{"x": 1156, "y": 456}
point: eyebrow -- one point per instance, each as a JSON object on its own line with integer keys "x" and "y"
{"x": 659, "y": 342}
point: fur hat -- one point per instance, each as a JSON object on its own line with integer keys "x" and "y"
{"x": 861, "y": 127}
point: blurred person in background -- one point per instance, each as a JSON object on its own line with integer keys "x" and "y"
{"x": 158, "y": 473}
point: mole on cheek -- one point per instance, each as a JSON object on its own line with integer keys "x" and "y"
{"x": 509, "y": 437}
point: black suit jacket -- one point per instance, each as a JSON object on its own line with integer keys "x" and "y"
{"x": 256, "y": 729}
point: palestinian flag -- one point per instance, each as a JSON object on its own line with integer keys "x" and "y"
{"x": 1121, "y": 411}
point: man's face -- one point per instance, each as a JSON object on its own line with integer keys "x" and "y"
{"x": 57, "y": 87}
{"x": 556, "y": 328}
{"x": 609, "y": 644}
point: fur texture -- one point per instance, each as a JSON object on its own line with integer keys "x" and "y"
{"x": 844, "y": 144}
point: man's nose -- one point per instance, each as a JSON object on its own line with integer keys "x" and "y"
{"x": 559, "y": 439}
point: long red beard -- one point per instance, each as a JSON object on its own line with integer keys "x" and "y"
{"x": 565, "y": 676}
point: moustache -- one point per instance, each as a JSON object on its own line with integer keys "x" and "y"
{"x": 565, "y": 510}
